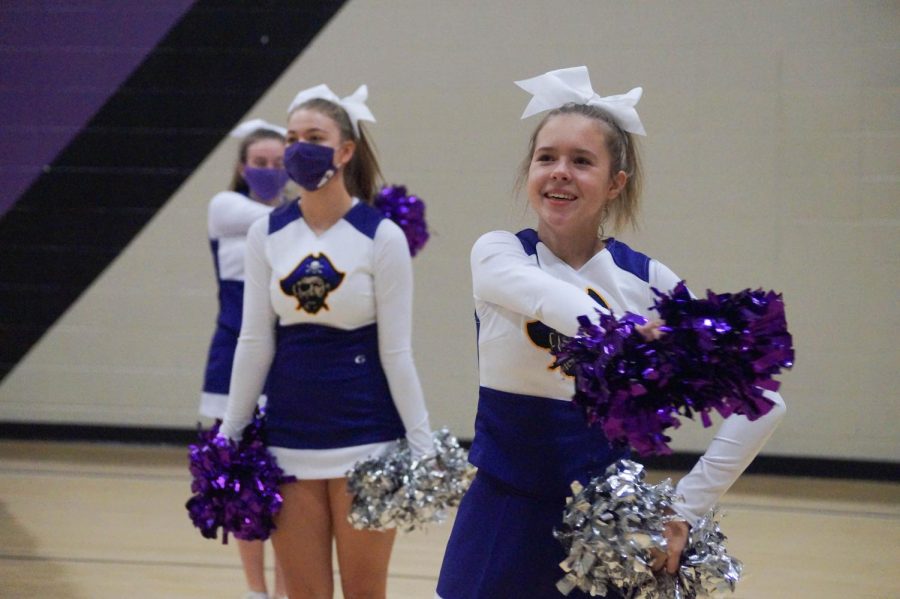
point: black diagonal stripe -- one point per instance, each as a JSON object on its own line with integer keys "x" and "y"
{"x": 144, "y": 142}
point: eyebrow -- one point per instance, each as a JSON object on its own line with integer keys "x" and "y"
{"x": 308, "y": 130}
{"x": 553, "y": 149}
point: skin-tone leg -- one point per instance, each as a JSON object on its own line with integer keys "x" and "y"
{"x": 363, "y": 555}
{"x": 302, "y": 540}
{"x": 280, "y": 587}
{"x": 252, "y": 553}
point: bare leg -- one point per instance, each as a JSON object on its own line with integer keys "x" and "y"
{"x": 363, "y": 555}
{"x": 280, "y": 587}
{"x": 302, "y": 540}
{"x": 252, "y": 560}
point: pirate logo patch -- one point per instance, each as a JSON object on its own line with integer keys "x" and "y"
{"x": 551, "y": 339}
{"x": 311, "y": 282}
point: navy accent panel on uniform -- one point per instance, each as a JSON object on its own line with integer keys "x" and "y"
{"x": 629, "y": 260}
{"x": 283, "y": 216}
{"x": 529, "y": 240}
{"x": 136, "y": 151}
{"x": 327, "y": 389}
{"x": 364, "y": 218}
{"x": 477, "y": 335}
{"x": 214, "y": 246}
{"x": 231, "y": 304}
{"x": 217, "y": 377}
{"x": 537, "y": 445}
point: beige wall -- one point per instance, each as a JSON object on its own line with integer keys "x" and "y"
{"x": 772, "y": 161}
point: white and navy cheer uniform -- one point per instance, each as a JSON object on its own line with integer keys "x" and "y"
{"x": 331, "y": 313}
{"x": 229, "y": 218}
{"x": 530, "y": 440}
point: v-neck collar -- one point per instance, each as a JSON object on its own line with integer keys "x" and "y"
{"x": 354, "y": 204}
{"x": 580, "y": 271}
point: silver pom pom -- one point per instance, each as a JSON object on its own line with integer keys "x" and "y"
{"x": 611, "y": 526}
{"x": 395, "y": 491}
{"x": 706, "y": 568}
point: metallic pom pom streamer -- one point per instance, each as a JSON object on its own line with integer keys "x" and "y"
{"x": 706, "y": 568}
{"x": 235, "y": 485}
{"x": 717, "y": 354}
{"x": 610, "y": 528}
{"x": 408, "y": 211}
{"x": 395, "y": 491}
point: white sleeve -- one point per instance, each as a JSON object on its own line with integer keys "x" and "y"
{"x": 393, "y": 283}
{"x": 736, "y": 443}
{"x": 503, "y": 274}
{"x": 231, "y": 214}
{"x": 256, "y": 343}
{"x": 662, "y": 277}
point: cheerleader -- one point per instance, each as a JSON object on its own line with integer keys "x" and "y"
{"x": 328, "y": 317}
{"x": 582, "y": 175}
{"x": 257, "y": 185}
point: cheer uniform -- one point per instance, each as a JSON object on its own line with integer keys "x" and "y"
{"x": 531, "y": 441}
{"x": 229, "y": 217}
{"x": 331, "y": 314}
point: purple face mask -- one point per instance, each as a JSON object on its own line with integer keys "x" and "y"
{"x": 309, "y": 165}
{"x": 266, "y": 183}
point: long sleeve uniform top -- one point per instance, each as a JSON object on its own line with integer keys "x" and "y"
{"x": 525, "y": 295}
{"x": 229, "y": 217}
{"x": 325, "y": 288}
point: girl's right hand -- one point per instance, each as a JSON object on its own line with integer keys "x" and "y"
{"x": 650, "y": 331}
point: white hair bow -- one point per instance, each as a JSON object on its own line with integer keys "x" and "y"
{"x": 248, "y": 127}
{"x": 354, "y": 104}
{"x": 556, "y": 88}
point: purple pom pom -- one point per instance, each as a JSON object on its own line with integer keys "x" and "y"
{"x": 717, "y": 353}
{"x": 235, "y": 485}
{"x": 408, "y": 211}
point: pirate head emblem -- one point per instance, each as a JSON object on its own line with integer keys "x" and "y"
{"x": 311, "y": 282}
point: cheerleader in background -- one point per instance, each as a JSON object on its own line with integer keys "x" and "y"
{"x": 328, "y": 319}
{"x": 582, "y": 174}
{"x": 257, "y": 186}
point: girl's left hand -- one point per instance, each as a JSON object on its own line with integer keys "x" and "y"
{"x": 676, "y": 533}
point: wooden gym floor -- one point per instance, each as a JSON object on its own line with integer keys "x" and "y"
{"x": 107, "y": 521}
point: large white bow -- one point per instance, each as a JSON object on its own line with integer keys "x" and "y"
{"x": 248, "y": 127}
{"x": 555, "y": 88}
{"x": 354, "y": 104}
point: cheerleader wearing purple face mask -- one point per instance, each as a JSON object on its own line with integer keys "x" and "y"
{"x": 257, "y": 186}
{"x": 320, "y": 425}
{"x": 309, "y": 165}
{"x": 265, "y": 183}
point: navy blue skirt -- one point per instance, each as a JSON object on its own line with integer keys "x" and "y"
{"x": 217, "y": 377}
{"x": 528, "y": 450}
{"x": 502, "y": 546}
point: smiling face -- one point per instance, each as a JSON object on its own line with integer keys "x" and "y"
{"x": 569, "y": 181}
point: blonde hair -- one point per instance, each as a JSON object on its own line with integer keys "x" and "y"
{"x": 624, "y": 155}
{"x": 362, "y": 174}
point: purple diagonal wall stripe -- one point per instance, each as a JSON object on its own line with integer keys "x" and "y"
{"x": 60, "y": 60}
